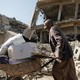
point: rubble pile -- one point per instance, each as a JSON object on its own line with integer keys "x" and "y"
{"x": 9, "y": 27}
{"x": 11, "y": 24}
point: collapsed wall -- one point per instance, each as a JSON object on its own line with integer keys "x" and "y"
{"x": 9, "y": 27}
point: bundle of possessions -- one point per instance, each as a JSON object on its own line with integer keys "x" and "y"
{"x": 16, "y": 50}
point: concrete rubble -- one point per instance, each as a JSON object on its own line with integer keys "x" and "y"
{"x": 9, "y": 27}
{"x": 7, "y": 23}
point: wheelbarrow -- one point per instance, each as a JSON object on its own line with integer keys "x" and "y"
{"x": 32, "y": 65}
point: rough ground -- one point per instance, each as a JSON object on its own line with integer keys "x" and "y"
{"x": 46, "y": 78}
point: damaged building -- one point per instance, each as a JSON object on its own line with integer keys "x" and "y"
{"x": 65, "y": 13}
{"x": 9, "y": 27}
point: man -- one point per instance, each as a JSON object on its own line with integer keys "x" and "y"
{"x": 63, "y": 68}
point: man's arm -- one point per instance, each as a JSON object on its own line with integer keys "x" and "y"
{"x": 57, "y": 35}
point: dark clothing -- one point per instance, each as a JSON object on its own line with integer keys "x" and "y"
{"x": 26, "y": 39}
{"x": 4, "y": 59}
{"x": 64, "y": 70}
{"x": 59, "y": 45}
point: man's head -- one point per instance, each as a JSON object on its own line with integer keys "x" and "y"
{"x": 48, "y": 24}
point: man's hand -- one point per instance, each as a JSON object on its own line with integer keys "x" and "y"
{"x": 58, "y": 60}
{"x": 56, "y": 57}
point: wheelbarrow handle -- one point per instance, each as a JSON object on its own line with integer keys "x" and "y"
{"x": 47, "y": 63}
{"x": 42, "y": 56}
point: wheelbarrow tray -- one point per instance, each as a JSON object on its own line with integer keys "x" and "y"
{"x": 30, "y": 66}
